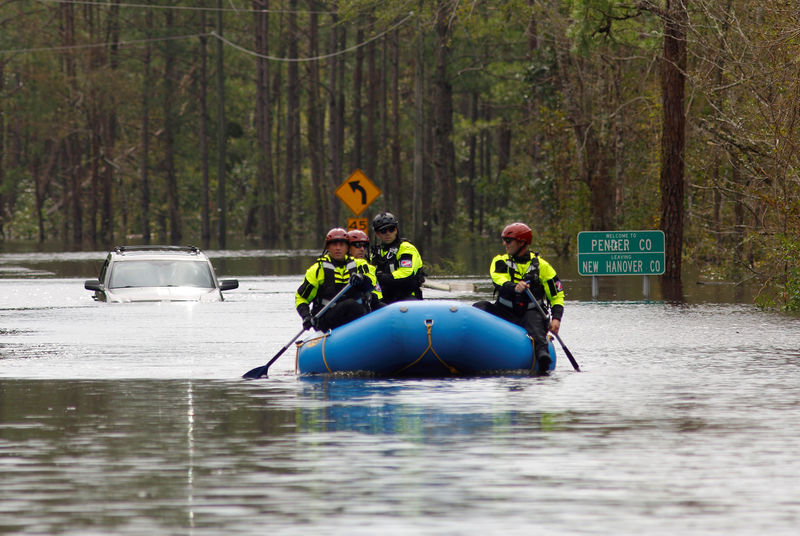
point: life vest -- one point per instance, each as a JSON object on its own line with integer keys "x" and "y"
{"x": 385, "y": 260}
{"x": 532, "y": 276}
{"x": 333, "y": 280}
{"x": 400, "y": 255}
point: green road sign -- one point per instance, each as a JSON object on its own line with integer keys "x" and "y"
{"x": 621, "y": 253}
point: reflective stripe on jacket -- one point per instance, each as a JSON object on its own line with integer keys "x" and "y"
{"x": 398, "y": 266}
{"x": 507, "y": 271}
{"x": 326, "y": 277}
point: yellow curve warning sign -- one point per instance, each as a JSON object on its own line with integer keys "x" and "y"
{"x": 357, "y": 192}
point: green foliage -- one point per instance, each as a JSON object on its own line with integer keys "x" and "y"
{"x": 782, "y": 288}
{"x": 598, "y": 23}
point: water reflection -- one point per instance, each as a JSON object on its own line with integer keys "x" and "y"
{"x": 78, "y": 455}
{"x": 672, "y": 290}
{"x": 190, "y": 452}
{"x": 371, "y": 407}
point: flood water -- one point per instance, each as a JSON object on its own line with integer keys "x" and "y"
{"x": 133, "y": 418}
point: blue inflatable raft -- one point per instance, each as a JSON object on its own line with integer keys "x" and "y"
{"x": 421, "y": 338}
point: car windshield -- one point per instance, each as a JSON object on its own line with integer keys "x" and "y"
{"x": 166, "y": 273}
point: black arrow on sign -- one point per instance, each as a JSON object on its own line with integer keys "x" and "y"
{"x": 355, "y": 186}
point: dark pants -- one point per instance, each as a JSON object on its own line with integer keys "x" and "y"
{"x": 343, "y": 311}
{"x": 532, "y": 320}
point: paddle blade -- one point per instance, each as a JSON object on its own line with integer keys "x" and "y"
{"x": 255, "y": 373}
{"x": 569, "y": 354}
{"x": 262, "y": 370}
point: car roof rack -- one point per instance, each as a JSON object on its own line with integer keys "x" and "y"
{"x": 189, "y": 249}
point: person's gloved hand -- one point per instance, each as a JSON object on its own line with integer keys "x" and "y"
{"x": 360, "y": 282}
{"x": 384, "y": 279}
{"x": 305, "y": 314}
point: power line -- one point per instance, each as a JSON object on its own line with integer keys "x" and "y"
{"x": 184, "y": 8}
{"x": 210, "y": 34}
{"x": 316, "y": 58}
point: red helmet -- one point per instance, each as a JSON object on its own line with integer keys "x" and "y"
{"x": 518, "y": 231}
{"x": 357, "y": 235}
{"x": 337, "y": 234}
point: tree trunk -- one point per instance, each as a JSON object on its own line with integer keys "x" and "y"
{"x": 278, "y": 133}
{"x": 94, "y": 177}
{"x": 41, "y": 174}
{"x": 373, "y": 82}
{"x": 110, "y": 132}
{"x": 222, "y": 201}
{"x": 419, "y": 212}
{"x": 205, "y": 216}
{"x": 336, "y": 117}
{"x": 383, "y": 142}
{"x": 170, "y": 124}
{"x": 673, "y": 77}
{"x": 341, "y": 127}
{"x": 503, "y": 145}
{"x": 393, "y": 186}
{"x": 265, "y": 188}
{"x": 73, "y": 154}
{"x": 3, "y": 160}
{"x": 444, "y": 152}
{"x": 144, "y": 161}
{"x": 356, "y": 157}
{"x": 532, "y": 32}
{"x": 316, "y": 148}
{"x": 597, "y": 174}
{"x": 471, "y": 161}
{"x": 292, "y": 128}
{"x": 38, "y": 199}
{"x": 485, "y": 167}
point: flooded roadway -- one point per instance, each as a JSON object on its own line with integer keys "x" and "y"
{"x": 132, "y": 419}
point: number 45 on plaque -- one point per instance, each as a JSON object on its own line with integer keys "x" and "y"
{"x": 358, "y": 223}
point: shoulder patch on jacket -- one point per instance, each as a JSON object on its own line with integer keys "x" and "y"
{"x": 555, "y": 285}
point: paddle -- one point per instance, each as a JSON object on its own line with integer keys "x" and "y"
{"x": 566, "y": 350}
{"x": 262, "y": 370}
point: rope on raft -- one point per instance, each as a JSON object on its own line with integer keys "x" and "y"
{"x": 429, "y": 327}
{"x": 324, "y": 360}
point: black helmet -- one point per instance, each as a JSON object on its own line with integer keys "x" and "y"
{"x": 384, "y": 220}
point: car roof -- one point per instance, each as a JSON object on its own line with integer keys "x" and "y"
{"x": 173, "y": 252}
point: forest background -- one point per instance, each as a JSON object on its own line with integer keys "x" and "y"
{"x": 162, "y": 121}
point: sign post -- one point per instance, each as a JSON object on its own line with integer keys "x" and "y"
{"x": 621, "y": 253}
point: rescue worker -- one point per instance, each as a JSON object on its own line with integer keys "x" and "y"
{"x": 323, "y": 280}
{"x": 359, "y": 249}
{"x": 519, "y": 269}
{"x": 398, "y": 263}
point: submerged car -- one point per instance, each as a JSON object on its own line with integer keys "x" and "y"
{"x": 158, "y": 273}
